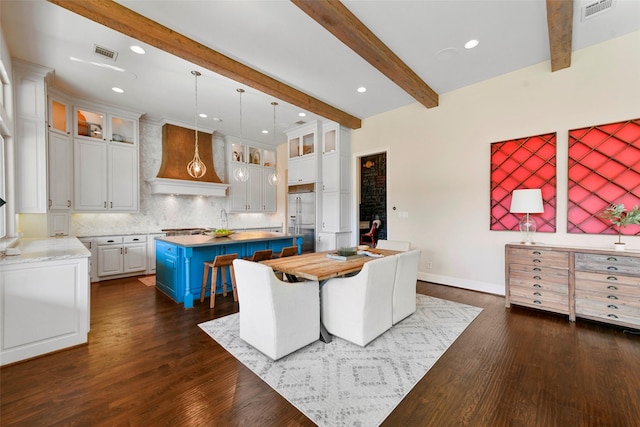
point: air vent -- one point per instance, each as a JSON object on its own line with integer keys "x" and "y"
{"x": 105, "y": 53}
{"x": 300, "y": 122}
{"x": 596, "y": 8}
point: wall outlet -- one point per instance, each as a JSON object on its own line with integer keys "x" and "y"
{"x": 429, "y": 264}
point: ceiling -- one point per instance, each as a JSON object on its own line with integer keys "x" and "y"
{"x": 278, "y": 39}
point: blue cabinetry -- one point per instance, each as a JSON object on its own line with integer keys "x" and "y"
{"x": 180, "y": 260}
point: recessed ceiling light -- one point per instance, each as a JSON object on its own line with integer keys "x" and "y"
{"x": 117, "y": 90}
{"x": 362, "y": 89}
{"x": 203, "y": 115}
{"x": 137, "y": 49}
{"x": 302, "y": 114}
{"x": 471, "y": 44}
{"x": 447, "y": 53}
{"x": 265, "y": 131}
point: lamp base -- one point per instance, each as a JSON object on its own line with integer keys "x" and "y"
{"x": 528, "y": 228}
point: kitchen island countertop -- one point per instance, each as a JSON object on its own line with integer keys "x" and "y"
{"x": 239, "y": 237}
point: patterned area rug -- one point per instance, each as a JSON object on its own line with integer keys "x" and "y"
{"x": 342, "y": 384}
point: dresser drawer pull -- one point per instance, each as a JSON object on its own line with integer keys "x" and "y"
{"x": 613, "y": 316}
{"x": 538, "y": 294}
{"x": 612, "y": 278}
{"x": 612, "y": 297}
{"x": 536, "y": 260}
{"x": 612, "y": 268}
{"x": 535, "y": 285}
{"x": 612, "y": 258}
{"x": 537, "y": 269}
{"x": 612, "y": 306}
{"x": 613, "y": 288}
{"x": 535, "y": 301}
{"x": 537, "y": 252}
{"x": 537, "y": 277}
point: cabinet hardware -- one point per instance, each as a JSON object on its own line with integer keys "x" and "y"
{"x": 537, "y": 252}
{"x": 612, "y": 278}
{"x": 537, "y": 269}
{"x": 111, "y": 204}
{"x": 612, "y": 297}
{"x": 612, "y": 258}
{"x": 613, "y": 316}
{"x": 612, "y": 307}
{"x": 538, "y": 294}
{"x": 535, "y": 301}
{"x": 613, "y": 288}
{"x": 105, "y": 204}
{"x": 535, "y": 285}
{"x": 536, "y": 260}
{"x": 537, "y": 277}
{"x": 68, "y": 203}
{"x": 120, "y": 251}
{"x": 50, "y": 202}
{"x": 110, "y": 241}
{"x": 612, "y": 268}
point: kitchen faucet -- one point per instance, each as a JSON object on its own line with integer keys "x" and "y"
{"x": 224, "y": 220}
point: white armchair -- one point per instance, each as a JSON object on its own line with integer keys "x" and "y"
{"x": 359, "y": 308}
{"x": 404, "y": 288}
{"x": 394, "y": 245}
{"x": 276, "y": 317}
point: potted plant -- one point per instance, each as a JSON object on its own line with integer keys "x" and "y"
{"x": 620, "y": 218}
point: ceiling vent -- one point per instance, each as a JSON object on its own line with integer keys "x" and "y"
{"x": 105, "y": 53}
{"x": 596, "y": 8}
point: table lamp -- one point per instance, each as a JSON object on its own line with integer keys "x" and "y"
{"x": 527, "y": 202}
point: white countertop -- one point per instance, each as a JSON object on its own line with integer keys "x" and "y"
{"x": 50, "y": 249}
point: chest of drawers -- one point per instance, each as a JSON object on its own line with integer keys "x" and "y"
{"x": 589, "y": 283}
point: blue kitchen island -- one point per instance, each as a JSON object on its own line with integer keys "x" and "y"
{"x": 180, "y": 259}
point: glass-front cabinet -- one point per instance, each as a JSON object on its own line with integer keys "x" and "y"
{"x": 90, "y": 124}
{"x": 123, "y": 130}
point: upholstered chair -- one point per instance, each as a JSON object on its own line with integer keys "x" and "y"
{"x": 404, "y": 287}
{"x": 394, "y": 245}
{"x": 359, "y": 308}
{"x": 276, "y": 317}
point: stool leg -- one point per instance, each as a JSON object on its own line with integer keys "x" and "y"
{"x": 232, "y": 273}
{"x": 224, "y": 281}
{"x": 205, "y": 276}
{"x": 214, "y": 282}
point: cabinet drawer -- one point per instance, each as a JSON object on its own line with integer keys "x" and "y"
{"x": 551, "y": 283}
{"x": 135, "y": 238}
{"x": 609, "y": 298}
{"x": 550, "y": 301}
{"x": 608, "y": 311}
{"x": 539, "y": 271}
{"x": 557, "y": 259}
{"x": 110, "y": 240}
{"x": 626, "y": 285}
{"x": 608, "y": 263}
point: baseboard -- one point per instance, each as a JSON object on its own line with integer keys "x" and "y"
{"x": 472, "y": 285}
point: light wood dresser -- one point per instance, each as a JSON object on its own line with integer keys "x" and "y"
{"x": 596, "y": 284}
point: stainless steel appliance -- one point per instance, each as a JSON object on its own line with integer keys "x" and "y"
{"x": 302, "y": 215}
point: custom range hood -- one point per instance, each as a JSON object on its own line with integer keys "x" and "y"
{"x": 177, "y": 152}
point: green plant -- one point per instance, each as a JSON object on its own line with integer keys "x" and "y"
{"x": 620, "y": 217}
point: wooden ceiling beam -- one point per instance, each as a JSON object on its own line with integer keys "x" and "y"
{"x": 346, "y": 27}
{"x": 560, "y": 27}
{"x": 124, "y": 20}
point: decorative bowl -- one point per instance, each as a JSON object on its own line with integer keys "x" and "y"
{"x": 347, "y": 251}
{"x": 221, "y": 233}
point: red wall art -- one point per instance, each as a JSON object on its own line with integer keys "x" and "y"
{"x": 604, "y": 169}
{"x": 520, "y": 164}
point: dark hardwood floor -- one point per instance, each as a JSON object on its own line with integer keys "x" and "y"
{"x": 148, "y": 364}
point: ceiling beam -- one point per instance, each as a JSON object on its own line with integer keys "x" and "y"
{"x": 560, "y": 27}
{"x": 346, "y": 27}
{"x": 124, "y": 20}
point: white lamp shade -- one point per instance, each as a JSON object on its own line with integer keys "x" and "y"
{"x": 526, "y": 201}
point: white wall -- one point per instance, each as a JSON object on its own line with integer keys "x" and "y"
{"x": 438, "y": 165}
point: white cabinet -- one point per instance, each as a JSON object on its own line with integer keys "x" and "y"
{"x": 336, "y": 178}
{"x": 332, "y": 241}
{"x": 121, "y": 254}
{"x": 45, "y": 307}
{"x": 252, "y": 178}
{"x": 30, "y": 137}
{"x": 151, "y": 252}
{"x": 60, "y": 171}
{"x": 89, "y": 243}
{"x": 303, "y": 159}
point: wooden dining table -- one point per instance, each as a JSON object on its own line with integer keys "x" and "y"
{"x": 318, "y": 266}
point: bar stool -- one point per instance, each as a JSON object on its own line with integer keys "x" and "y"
{"x": 260, "y": 255}
{"x": 220, "y": 261}
{"x": 285, "y": 252}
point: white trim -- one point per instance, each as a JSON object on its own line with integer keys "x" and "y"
{"x": 188, "y": 188}
{"x": 473, "y": 285}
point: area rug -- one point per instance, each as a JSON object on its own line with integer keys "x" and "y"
{"x": 342, "y": 384}
{"x": 148, "y": 280}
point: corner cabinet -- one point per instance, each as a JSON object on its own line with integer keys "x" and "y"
{"x": 106, "y": 175}
{"x": 252, "y": 177}
{"x": 595, "y": 284}
{"x": 336, "y": 178}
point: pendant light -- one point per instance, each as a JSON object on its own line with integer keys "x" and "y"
{"x": 273, "y": 178}
{"x": 240, "y": 172}
{"x": 196, "y": 167}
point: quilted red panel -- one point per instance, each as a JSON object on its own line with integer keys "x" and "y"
{"x": 604, "y": 168}
{"x": 523, "y": 163}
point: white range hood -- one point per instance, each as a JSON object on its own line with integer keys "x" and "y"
{"x": 188, "y": 188}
